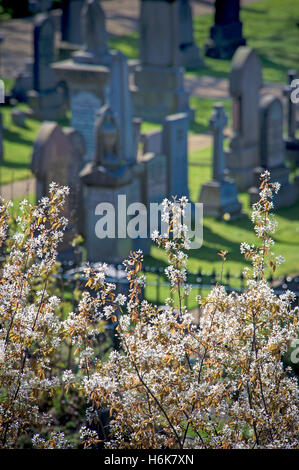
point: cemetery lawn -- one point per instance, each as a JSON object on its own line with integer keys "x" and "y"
{"x": 18, "y": 146}
{"x": 269, "y": 27}
{"x": 227, "y": 235}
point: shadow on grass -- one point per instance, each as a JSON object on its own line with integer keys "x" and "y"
{"x": 15, "y": 137}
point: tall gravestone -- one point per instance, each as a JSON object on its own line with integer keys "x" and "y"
{"x": 158, "y": 79}
{"x": 55, "y": 159}
{"x": 1, "y": 138}
{"x": 104, "y": 179}
{"x": 46, "y": 100}
{"x": 70, "y": 21}
{"x": 175, "y": 147}
{"x": 244, "y": 83}
{"x": 226, "y": 33}
{"x": 96, "y": 76}
{"x": 219, "y": 196}
{"x": 24, "y": 78}
{"x": 71, "y": 34}
{"x": 189, "y": 55}
{"x": 272, "y": 152}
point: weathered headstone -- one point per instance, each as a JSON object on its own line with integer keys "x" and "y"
{"x": 291, "y": 142}
{"x": 95, "y": 39}
{"x": 158, "y": 79}
{"x": 46, "y": 100}
{"x": 245, "y": 82}
{"x": 96, "y": 76}
{"x": 108, "y": 176}
{"x": 175, "y": 147}
{"x": 18, "y": 117}
{"x": 23, "y": 82}
{"x": 152, "y": 142}
{"x": 188, "y": 51}
{"x": 226, "y": 33}
{"x": 40, "y": 6}
{"x": 272, "y": 153}
{"x": 219, "y": 196}
{"x": 54, "y": 159}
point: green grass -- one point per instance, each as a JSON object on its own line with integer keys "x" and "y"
{"x": 220, "y": 235}
{"x": 269, "y": 27}
{"x": 18, "y": 146}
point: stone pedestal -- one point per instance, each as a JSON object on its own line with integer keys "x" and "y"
{"x": 226, "y": 34}
{"x": 158, "y": 92}
{"x": 245, "y": 82}
{"x": 272, "y": 154}
{"x": 47, "y": 105}
{"x": 219, "y": 198}
{"x": 46, "y": 100}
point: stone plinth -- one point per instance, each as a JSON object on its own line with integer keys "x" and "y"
{"x": 158, "y": 92}
{"x": 226, "y": 33}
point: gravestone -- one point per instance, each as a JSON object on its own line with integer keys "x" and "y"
{"x": 158, "y": 78}
{"x": 175, "y": 147}
{"x": 272, "y": 153}
{"x": 54, "y": 159}
{"x": 189, "y": 55}
{"x": 245, "y": 82}
{"x": 45, "y": 100}
{"x": 152, "y": 142}
{"x": 226, "y": 33}
{"x": 96, "y": 76}
{"x": 219, "y": 196}
{"x": 108, "y": 176}
{"x": 291, "y": 143}
{"x": 70, "y": 21}
{"x": 23, "y": 82}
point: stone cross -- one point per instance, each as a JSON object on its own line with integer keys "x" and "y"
{"x": 291, "y": 107}
{"x": 217, "y": 123}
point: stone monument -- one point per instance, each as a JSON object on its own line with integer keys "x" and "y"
{"x": 104, "y": 179}
{"x": 244, "y": 83}
{"x": 291, "y": 142}
{"x": 189, "y": 55}
{"x": 175, "y": 147}
{"x": 219, "y": 196}
{"x": 272, "y": 152}
{"x": 158, "y": 78}
{"x": 226, "y": 33}
{"x": 46, "y": 100}
{"x": 57, "y": 157}
{"x": 96, "y": 76}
